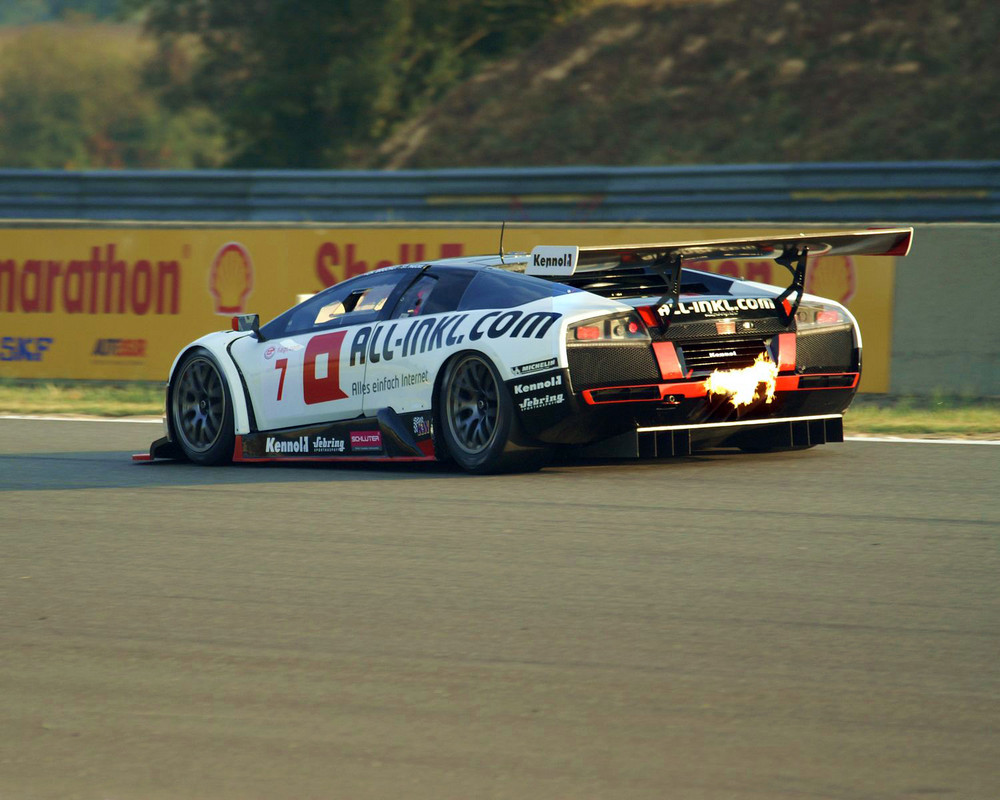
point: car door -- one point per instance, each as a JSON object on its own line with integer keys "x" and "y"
{"x": 308, "y": 368}
{"x": 406, "y": 349}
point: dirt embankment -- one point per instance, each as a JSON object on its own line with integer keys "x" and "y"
{"x": 729, "y": 82}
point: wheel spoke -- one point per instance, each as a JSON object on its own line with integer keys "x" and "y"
{"x": 471, "y": 405}
{"x": 466, "y": 423}
{"x": 197, "y": 380}
{"x": 480, "y": 434}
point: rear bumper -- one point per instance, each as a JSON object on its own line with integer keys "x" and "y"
{"x": 594, "y": 415}
{"x": 674, "y": 384}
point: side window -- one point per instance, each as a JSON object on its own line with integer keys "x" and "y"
{"x": 368, "y": 298}
{"x": 415, "y": 298}
{"x": 494, "y": 288}
{"x": 357, "y": 300}
{"x": 434, "y": 292}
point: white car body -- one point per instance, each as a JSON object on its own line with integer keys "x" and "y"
{"x": 617, "y": 348}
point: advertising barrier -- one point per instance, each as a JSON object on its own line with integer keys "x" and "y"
{"x": 117, "y": 302}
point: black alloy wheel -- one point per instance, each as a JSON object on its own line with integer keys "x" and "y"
{"x": 478, "y": 421}
{"x": 472, "y": 406}
{"x": 201, "y": 410}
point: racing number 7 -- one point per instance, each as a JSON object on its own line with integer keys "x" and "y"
{"x": 282, "y": 364}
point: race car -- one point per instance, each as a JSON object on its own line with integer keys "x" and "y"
{"x": 497, "y": 362}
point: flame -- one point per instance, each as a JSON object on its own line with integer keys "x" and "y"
{"x": 743, "y": 386}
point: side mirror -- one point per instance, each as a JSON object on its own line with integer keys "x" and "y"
{"x": 247, "y": 322}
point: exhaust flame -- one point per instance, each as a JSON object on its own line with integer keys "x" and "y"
{"x": 743, "y": 386}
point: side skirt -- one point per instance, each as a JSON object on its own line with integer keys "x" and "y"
{"x": 387, "y": 436}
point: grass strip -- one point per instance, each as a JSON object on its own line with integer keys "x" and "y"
{"x": 945, "y": 416}
{"x": 88, "y": 398}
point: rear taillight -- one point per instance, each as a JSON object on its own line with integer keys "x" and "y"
{"x": 620, "y": 328}
{"x": 818, "y": 315}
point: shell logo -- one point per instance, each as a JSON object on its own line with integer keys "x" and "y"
{"x": 230, "y": 279}
{"x": 833, "y": 277}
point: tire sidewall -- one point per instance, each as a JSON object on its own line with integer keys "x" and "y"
{"x": 221, "y": 451}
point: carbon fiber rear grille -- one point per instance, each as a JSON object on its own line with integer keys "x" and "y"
{"x": 826, "y": 351}
{"x": 704, "y": 357}
{"x": 611, "y": 365}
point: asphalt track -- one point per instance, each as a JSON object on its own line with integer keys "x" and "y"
{"x": 823, "y": 624}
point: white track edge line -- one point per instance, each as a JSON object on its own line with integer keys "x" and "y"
{"x": 906, "y": 440}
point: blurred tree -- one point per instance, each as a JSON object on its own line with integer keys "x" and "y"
{"x": 72, "y": 97}
{"x": 310, "y": 83}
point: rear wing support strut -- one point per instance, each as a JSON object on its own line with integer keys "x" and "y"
{"x": 793, "y": 259}
{"x": 670, "y": 271}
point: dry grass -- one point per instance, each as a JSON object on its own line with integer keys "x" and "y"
{"x": 934, "y": 416}
{"x": 85, "y": 398}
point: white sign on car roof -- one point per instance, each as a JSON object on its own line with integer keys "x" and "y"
{"x": 547, "y": 259}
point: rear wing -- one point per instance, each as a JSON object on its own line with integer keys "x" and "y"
{"x": 791, "y": 250}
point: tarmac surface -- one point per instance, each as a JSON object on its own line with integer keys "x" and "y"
{"x": 822, "y": 624}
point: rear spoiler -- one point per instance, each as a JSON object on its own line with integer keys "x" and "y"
{"x": 791, "y": 250}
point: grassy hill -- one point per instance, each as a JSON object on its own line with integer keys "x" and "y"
{"x": 72, "y": 96}
{"x": 618, "y": 82}
{"x": 724, "y": 81}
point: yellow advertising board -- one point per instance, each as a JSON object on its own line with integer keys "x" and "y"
{"x": 117, "y": 302}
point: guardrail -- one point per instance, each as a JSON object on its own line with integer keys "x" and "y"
{"x": 945, "y": 191}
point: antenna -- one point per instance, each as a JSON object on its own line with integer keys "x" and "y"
{"x": 503, "y": 225}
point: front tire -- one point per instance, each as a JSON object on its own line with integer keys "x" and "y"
{"x": 478, "y": 422}
{"x": 201, "y": 410}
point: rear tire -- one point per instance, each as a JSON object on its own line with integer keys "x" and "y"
{"x": 479, "y": 426}
{"x": 201, "y": 410}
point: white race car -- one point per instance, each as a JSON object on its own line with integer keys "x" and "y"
{"x": 494, "y": 362}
